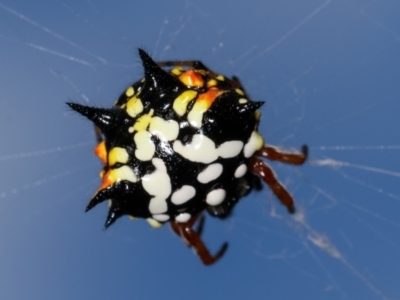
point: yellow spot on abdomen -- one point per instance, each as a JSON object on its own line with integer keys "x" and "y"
{"x": 181, "y": 102}
{"x": 118, "y": 155}
{"x": 143, "y": 122}
{"x": 134, "y": 107}
{"x": 153, "y": 223}
{"x": 255, "y": 143}
{"x": 115, "y": 175}
{"x": 259, "y": 140}
{"x": 239, "y": 91}
{"x": 211, "y": 82}
{"x": 177, "y": 71}
{"x": 203, "y": 102}
{"x": 130, "y": 91}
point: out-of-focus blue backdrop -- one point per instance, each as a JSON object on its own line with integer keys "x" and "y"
{"x": 329, "y": 71}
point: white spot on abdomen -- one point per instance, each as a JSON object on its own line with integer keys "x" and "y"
{"x": 161, "y": 217}
{"x": 183, "y": 217}
{"x": 184, "y": 194}
{"x": 145, "y": 147}
{"x": 210, "y": 173}
{"x": 254, "y": 144}
{"x": 158, "y": 185}
{"x": 195, "y": 116}
{"x": 215, "y": 197}
{"x": 153, "y": 223}
{"x": 202, "y": 149}
{"x": 165, "y": 130}
{"x": 230, "y": 149}
{"x": 240, "y": 171}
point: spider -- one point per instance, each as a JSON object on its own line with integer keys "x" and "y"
{"x": 179, "y": 142}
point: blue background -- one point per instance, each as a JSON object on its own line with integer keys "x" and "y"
{"x": 329, "y": 72}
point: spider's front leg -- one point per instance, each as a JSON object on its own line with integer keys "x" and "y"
{"x": 195, "y": 64}
{"x": 260, "y": 168}
{"x": 193, "y": 240}
{"x": 272, "y": 153}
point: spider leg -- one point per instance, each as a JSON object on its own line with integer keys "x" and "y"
{"x": 200, "y": 224}
{"x": 193, "y": 240}
{"x": 194, "y": 219}
{"x": 195, "y": 64}
{"x": 235, "y": 81}
{"x": 273, "y": 153}
{"x": 261, "y": 169}
{"x": 97, "y": 132}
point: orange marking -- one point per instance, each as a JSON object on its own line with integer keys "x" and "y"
{"x": 191, "y": 78}
{"x": 101, "y": 152}
{"x": 208, "y": 97}
{"x": 108, "y": 179}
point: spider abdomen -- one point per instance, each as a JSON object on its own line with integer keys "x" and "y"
{"x": 179, "y": 142}
{"x": 176, "y": 143}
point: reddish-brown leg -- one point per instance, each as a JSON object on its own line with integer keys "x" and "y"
{"x": 97, "y": 132}
{"x": 190, "y": 223}
{"x": 273, "y": 153}
{"x": 195, "y": 64}
{"x": 261, "y": 169}
{"x": 193, "y": 240}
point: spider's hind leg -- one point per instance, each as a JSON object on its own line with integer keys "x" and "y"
{"x": 260, "y": 168}
{"x": 235, "y": 81}
{"x": 193, "y": 240}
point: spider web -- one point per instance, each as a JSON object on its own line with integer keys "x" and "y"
{"x": 329, "y": 73}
